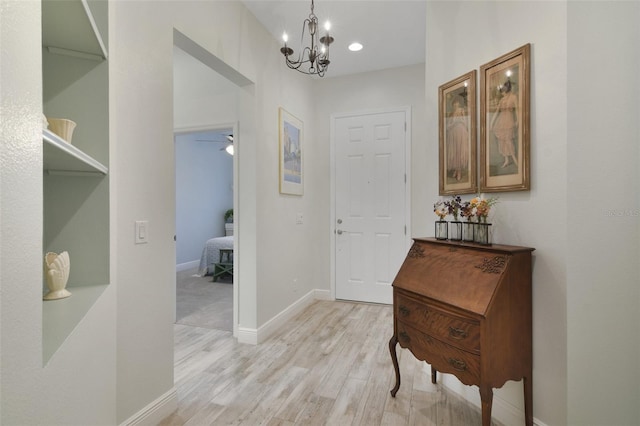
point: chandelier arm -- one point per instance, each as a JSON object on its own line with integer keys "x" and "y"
{"x": 305, "y": 23}
{"x": 294, "y": 64}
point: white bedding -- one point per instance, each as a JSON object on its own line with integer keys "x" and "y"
{"x": 211, "y": 253}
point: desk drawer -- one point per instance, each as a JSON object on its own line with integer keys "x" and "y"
{"x": 443, "y": 357}
{"x": 459, "y": 332}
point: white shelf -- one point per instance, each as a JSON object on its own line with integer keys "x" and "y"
{"x": 60, "y": 317}
{"x": 69, "y": 25}
{"x": 61, "y": 157}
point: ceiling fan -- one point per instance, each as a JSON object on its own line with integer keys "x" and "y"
{"x": 228, "y": 139}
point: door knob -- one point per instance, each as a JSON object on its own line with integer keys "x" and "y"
{"x": 339, "y": 231}
{"x": 339, "y": 221}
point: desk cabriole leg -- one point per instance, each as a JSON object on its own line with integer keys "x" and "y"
{"x": 486, "y": 398}
{"x": 394, "y": 358}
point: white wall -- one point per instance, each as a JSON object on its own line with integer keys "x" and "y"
{"x": 77, "y": 386}
{"x": 585, "y": 290}
{"x": 202, "y": 98}
{"x": 286, "y": 252}
{"x": 141, "y": 81}
{"x": 461, "y": 36}
{"x": 603, "y": 213}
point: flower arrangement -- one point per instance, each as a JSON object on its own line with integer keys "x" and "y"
{"x": 482, "y": 207}
{"x": 453, "y": 206}
{"x": 440, "y": 209}
{"x": 477, "y": 232}
{"x": 466, "y": 210}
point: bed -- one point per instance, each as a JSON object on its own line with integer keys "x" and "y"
{"x": 211, "y": 253}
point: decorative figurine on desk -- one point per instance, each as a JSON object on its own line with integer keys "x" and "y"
{"x": 56, "y": 270}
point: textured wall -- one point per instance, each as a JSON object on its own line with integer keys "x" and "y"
{"x": 77, "y": 385}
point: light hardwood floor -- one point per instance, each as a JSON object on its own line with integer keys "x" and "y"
{"x": 328, "y": 366}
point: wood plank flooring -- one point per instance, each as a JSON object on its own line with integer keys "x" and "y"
{"x": 328, "y": 366}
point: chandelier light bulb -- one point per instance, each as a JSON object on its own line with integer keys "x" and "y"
{"x": 327, "y": 25}
{"x": 285, "y": 37}
{"x": 508, "y": 73}
{"x": 355, "y": 47}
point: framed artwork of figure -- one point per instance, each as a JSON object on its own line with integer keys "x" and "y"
{"x": 504, "y": 122}
{"x": 457, "y": 128}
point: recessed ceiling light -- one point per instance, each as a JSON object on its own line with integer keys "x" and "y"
{"x": 354, "y": 47}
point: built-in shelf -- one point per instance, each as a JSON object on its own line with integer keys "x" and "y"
{"x": 60, "y": 317}
{"x": 75, "y": 209}
{"x": 62, "y": 157}
{"x": 79, "y": 33}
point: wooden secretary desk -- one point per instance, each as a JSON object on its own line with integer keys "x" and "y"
{"x": 466, "y": 310}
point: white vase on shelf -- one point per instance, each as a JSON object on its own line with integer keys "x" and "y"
{"x": 56, "y": 270}
{"x": 62, "y": 127}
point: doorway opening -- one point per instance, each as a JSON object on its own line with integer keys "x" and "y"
{"x": 206, "y": 93}
{"x": 204, "y": 227}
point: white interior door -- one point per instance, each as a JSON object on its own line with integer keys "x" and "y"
{"x": 370, "y": 215}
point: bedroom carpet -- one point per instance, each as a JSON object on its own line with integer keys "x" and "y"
{"x": 202, "y": 303}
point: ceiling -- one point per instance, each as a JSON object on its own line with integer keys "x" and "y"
{"x": 392, "y": 31}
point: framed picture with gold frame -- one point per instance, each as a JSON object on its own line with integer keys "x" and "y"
{"x": 457, "y": 129}
{"x": 291, "y": 153}
{"x": 504, "y": 122}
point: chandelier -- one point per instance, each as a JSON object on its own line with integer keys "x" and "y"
{"x": 313, "y": 59}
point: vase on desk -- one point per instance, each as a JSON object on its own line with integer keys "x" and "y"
{"x": 467, "y": 231}
{"x": 441, "y": 230}
{"x": 455, "y": 230}
{"x": 482, "y": 233}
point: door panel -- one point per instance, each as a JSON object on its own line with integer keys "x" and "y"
{"x": 370, "y": 204}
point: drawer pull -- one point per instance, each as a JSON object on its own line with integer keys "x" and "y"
{"x": 404, "y": 336}
{"x": 404, "y": 311}
{"x": 458, "y": 364}
{"x": 457, "y": 333}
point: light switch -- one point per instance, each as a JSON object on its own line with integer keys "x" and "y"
{"x": 142, "y": 232}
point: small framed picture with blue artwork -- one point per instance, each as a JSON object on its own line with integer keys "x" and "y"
{"x": 291, "y": 154}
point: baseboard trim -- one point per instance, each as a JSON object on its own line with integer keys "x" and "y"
{"x": 254, "y": 336}
{"x": 157, "y": 410}
{"x": 247, "y": 335}
{"x": 322, "y": 294}
{"x": 187, "y": 265}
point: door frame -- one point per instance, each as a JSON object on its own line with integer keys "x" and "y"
{"x": 332, "y": 181}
